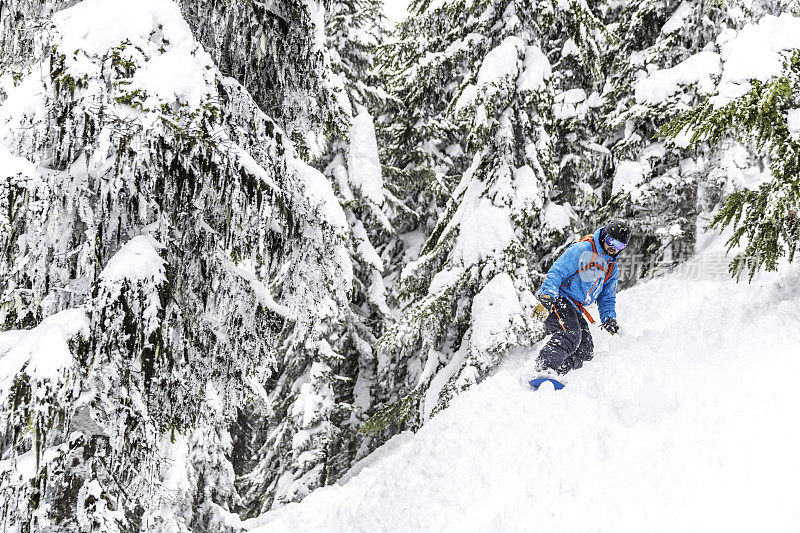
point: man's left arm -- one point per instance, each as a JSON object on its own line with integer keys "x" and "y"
{"x": 607, "y": 300}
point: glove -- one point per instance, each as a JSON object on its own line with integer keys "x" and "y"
{"x": 611, "y": 326}
{"x": 546, "y": 304}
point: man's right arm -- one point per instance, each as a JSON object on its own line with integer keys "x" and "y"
{"x": 565, "y": 266}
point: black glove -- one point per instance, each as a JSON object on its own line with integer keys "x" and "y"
{"x": 611, "y": 325}
{"x": 545, "y": 307}
{"x": 547, "y": 301}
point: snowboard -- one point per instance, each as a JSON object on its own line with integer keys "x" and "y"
{"x": 535, "y": 383}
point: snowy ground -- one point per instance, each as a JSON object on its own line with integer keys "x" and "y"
{"x": 688, "y": 422}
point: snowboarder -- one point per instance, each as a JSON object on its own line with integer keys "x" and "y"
{"x": 585, "y": 272}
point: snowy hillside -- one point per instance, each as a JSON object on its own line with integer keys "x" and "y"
{"x": 253, "y": 252}
{"x": 684, "y": 423}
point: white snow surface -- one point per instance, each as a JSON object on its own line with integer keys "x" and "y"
{"x": 362, "y": 159}
{"x": 572, "y": 96}
{"x": 535, "y": 70}
{"x": 466, "y": 98}
{"x": 678, "y": 18}
{"x": 485, "y": 230}
{"x": 661, "y": 84}
{"x": 756, "y": 52}
{"x": 137, "y": 260}
{"x": 319, "y": 193}
{"x": 184, "y": 72}
{"x": 500, "y": 62}
{"x": 494, "y": 309}
{"x": 629, "y": 174}
{"x": 42, "y": 351}
{"x": 558, "y": 216}
{"x": 685, "y": 422}
{"x": 793, "y": 120}
{"x": 527, "y": 189}
{"x": 12, "y": 165}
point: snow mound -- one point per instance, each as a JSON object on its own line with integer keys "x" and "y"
{"x": 500, "y": 62}
{"x": 174, "y": 66}
{"x": 683, "y": 423}
{"x": 756, "y": 52}
{"x": 661, "y": 84}
{"x": 42, "y": 352}
{"x": 137, "y": 260}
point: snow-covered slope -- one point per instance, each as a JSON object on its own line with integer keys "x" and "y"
{"x": 687, "y": 422}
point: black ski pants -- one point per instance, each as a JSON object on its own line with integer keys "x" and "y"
{"x": 571, "y": 343}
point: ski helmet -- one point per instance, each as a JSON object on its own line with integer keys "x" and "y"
{"x": 618, "y": 230}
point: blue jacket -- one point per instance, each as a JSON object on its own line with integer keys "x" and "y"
{"x": 580, "y": 275}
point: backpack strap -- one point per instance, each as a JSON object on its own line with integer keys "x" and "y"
{"x": 582, "y": 309}
{"x": 608, "y": 270}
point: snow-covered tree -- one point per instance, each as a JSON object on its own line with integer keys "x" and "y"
{"x": 234, "y": 232}
{"x": 275, "y": 50}
{"x": 354, "y": 29}
{"x": 496, "y": 93}
{"x": 757, "y": 98}
{"x": 151, "y": 199}
{"x": 339, "y": 382}
{"x": 664, "y": 60}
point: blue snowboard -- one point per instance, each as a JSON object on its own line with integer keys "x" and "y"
{"x": 535, "y": 383}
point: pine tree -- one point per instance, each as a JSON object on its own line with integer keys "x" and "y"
{"x": 234, "y": 233}
{"x": 661, "y": 187}
{"x": 275, "y": 50}
{"x": 494, "y": 91}
{"x": 764, "y": 218}
{"x": 314, "y": 439}
{"x": 168, "y": 220}
{"x": 354, "y": 29}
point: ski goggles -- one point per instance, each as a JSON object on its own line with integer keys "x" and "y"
{"x": 614, "y": 246}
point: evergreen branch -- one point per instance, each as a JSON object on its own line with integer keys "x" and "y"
{"x": 766, "y": 218}
{"x": 393, "y": 415}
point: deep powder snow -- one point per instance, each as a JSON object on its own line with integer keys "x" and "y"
{"x": 687, "y": 422}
